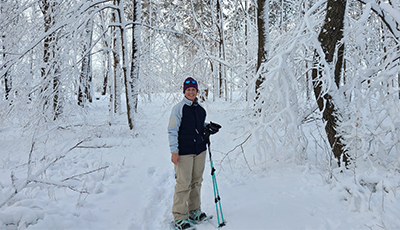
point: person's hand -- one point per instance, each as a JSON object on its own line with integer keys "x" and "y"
{"x": 175, "y": 157}
{"x": 211, "y": 128}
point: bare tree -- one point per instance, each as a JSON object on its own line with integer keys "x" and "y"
{"x": 115, "y": 92}
{"x": 330, "y": 38}
{"x": 50, "y": 72}
{"x": 135, "y": 60}
{"x": 7, "y": 77}
{"x": 221, "y": 49}
{"x": 131, "y": 77}
{"x": 85, "y": 81}
{"x": 130, "y": 73}
{"x": 263, "y": 31}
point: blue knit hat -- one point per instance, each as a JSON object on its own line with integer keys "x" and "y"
{"x": 190, "y": 82}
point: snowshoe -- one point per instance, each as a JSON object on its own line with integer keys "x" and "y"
{"x": 183, "y": 224}
{"x": 198, "y": 216}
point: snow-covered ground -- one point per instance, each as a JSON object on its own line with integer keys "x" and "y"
{"x": 128, "y": 179}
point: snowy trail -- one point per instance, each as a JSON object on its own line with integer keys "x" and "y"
{"x": 159, "y": 201}
{"x": 135, "y": 192}
{"x": 281, "y": 196}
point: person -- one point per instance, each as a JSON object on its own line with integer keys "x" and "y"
{"x": 188, "y": 153}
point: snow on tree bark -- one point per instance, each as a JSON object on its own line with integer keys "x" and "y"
{"x": 330, "y": 38}
{"x": 50, "y": 72}
{"x": 85, "y": 80}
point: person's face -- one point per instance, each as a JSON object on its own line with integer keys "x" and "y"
{"x": 191, "y": 93}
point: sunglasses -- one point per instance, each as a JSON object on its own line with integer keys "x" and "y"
{"x": 190, "y": 81}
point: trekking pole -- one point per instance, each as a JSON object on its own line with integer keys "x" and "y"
{"x": 217, "y": 198}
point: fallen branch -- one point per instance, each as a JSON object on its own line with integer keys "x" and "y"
{"x": 16, "y": 190}
{"x": 95, "y": 147}
{"x": 58, "y": 158}
{"x": 241, "y": 147}
{"x": 95, "y": 170}
{"x": 55, "y": 183}
{"x": 20, "y": 186}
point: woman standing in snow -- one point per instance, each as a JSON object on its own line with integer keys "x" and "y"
{"x": 188, "y": 148}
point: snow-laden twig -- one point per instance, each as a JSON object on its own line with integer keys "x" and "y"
{"x": 241, "y": 146}
{"x": 85, "y": 173}
{"x": 39, "y": 172}
{"x": 17, "y": 188}
{"x": 35, "y": 178}
{"x": 95, "y": 147}
{"x": 58, "y": 184}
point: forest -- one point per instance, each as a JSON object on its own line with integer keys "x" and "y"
{"x": 320, "y": 74}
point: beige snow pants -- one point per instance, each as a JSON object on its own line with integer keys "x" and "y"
{"x": 189, "y": 175}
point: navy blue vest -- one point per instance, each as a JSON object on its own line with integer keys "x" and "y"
{"x": 190, "y": 135}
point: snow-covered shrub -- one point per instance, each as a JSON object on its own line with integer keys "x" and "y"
{"x": 285, "y": 116}
{"x": 48, "y": 172}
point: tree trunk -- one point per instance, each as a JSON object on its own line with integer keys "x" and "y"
{"x": 50, "y": 72}
{"x": 116, "y": 84}
{"x": 221, "y": 50}
{"x": 106, "y": 61}
{"x": 7, "y": 77}
{"x": 7, "y": 84}
{"x": 89, "y": 89}
{"x": 133, "y": 79}
{"x": 130, "y": 75}
{"x": 106, "y": 73}
{"x": 246, "y": 44}
{"x": 85, "y": 80}
{"x": 263, "y": 31}
{"x": 127, "y": 72}
{"x": 329, "y": 37}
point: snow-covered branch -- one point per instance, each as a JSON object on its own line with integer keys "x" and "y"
{"x": 389, "y": 15}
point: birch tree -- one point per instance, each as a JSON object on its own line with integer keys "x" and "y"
{"x": 115, "y": 86}
{"x": 9, "y": 31}
{"x": 330, "y": 37}
{"x": 131, "y": 75}
{"x": 7, "y": 80}
{"x": 135, "y": 59}
{"x": 106, "y": 58}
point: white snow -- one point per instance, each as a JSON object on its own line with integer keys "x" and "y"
{"x": 135, "y": 191}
